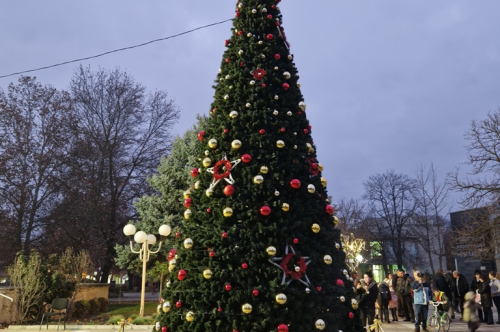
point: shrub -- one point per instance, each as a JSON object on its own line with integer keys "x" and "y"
{"x": 103, "y": 304}
{"x": 94, "y": 307}
{"x": 142, "y": 321}
{"x": 82, "y": 308}
{"x": 115, "y": 320}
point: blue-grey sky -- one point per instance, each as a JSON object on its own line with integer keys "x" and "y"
{"x": 389, "y": 84}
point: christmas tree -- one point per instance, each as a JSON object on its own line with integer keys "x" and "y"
{"x": 258, "y": 249}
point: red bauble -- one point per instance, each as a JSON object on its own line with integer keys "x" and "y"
{"x": 209, "y": 210}
{"x": 214, "y": 110}
{"x": 227, "y": 287}
{"x": 212, "y": 254}
{"x": 178, "y": 304}
{"x": 241, "y": 64}
{"x": 269, "y": 16}
{"x": 277, "y": 23}
{"x": 187, "y": 202}
{"x": 309, "y": 126}
{"x": 295, "y": 183}
{"x": 305, "y": 131}
{"x": 181, "y": 275}
{"x": 246, "y": 158}
{"x": 224, "y": 234}
{"x": 329, "y": 209}
{"x": 319, "y": 288}
{"x": 219, "y": 309}
{"x": 164, "y": 329}
{"x": 299, "y": 112}
{"x": 295, "y": 241}
{"x": 262, "y": 131}
{"x": 351, "y": 315}
{"x": 255, "y": 292}
{"x": 240, "y": 33}
{"x": 200, "y": 135}
{"x": 277, "y": 56}
{"x": 244, "y": 265}
{"x": 265, "y": 210}
{"x": 194, "y": 172}
{"x": 282, "y": 129}
{"x": 228, "y": 60}
{"x": 286, "y": 86}
{"x": 225, "y": 131}
{"x": 226, "y": 42}
{"x": 229, "y": 190}
{"x": 171, "y": 254}
{"x": 263, "y": 85}
{"x": 270, "y": 36}
{"x": 237, "y": 14}
{"x": 177, "y": 234}
{"x": 339, "y": 282}
{"x": 282, "y": 328}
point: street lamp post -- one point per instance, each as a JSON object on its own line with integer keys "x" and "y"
{"x": 147, "y": 242}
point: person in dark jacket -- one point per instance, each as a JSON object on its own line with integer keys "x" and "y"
{"x": 395, "y": 289}
{"x": 368, "y": 291}
{"x": 461, "y": 287}
{"x": 404, "y": 296}
{"x": 441, "y": 284}
{"x": 486, "y": 302}
{"x": 384, "y": 296}
{"x": 451, "y": 282}
{"x": 474, "y": 286}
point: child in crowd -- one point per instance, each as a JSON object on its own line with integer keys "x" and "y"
{"x": 470, "y": 311}
{"x": 439, "y": 296}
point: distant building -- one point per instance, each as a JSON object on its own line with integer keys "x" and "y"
{"x": 467, "y": 264}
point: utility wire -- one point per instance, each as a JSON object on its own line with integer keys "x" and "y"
{"x": 117, "y": 50}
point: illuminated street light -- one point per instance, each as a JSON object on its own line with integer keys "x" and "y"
{"x": 147, "y": 242}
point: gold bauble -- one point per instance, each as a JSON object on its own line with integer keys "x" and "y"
{"x": 166, "y": 306}
{"x": 354, "y": 304}
{"x": 315, "y": 228}
{"x": 207, "y": 274}
{"x": 246, "y": 308}
{"x": 324, "y": 182}
{"x": 335, "y": 220}
{"x": 311, "y": 188}
{"x": 281, "y": 298}
{"x": 188, "y": 243}
{"x": 187, "y": 214}
{"x": 320, "y": 324}
{"x": 197, "y": 185}
{"x": 327, "y": 259}
{"x": 212, "y": 143}
{"x": 209, "y": 192}
{"x": 309, "y": 148}
{"x": 285, "y": 207}
{"x": 271, "y": 251}
{"x": 264, "y": 169}
{"x": 320, "y": 167}
{"x": 342, "y": 299}
{"x": 207, "y": 162}
{"x": 258, "y": 179}
{"x": 233, "y": 114}
{"x": 236, "y": 144}
{"x": 287, "y": 75}
{"x": 228, "y": 212}
{"x": 187, "y": 194}
{"x": 302, "y": 106}
{"x": 280, "y": 144}
{"x": 190, "y": 316}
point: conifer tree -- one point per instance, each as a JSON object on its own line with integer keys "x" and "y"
{"x": 258, "y": 249}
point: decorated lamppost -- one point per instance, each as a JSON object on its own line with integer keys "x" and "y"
{"x": 147, "y": 241}
{"x": 353, "y": 248}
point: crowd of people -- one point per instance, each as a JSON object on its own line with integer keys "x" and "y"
{"x": 401, "y": 296}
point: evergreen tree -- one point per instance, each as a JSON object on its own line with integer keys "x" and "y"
{"x": 258, "y": 249}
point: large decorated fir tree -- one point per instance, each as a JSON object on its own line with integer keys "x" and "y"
{"x": 258, "y": 249}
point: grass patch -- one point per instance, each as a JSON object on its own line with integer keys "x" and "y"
{"x": 124, "y": 310}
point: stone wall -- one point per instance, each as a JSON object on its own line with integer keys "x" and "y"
{"x": 7, "y": 309}
{"x": 91, "y": 291}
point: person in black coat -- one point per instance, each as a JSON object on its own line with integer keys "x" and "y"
{"x": 384, "y": 296}
{"x": 367, "y": 289}
{"x": 461, "y": 287}
{"x": 486, "y": 302}
{"x": 474, "y": 286}
{"x": 441, "y": 284}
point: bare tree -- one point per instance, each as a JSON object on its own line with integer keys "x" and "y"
{"x": 351, "y": 214}
{"x": 34, "y": 136}
{"x": 123, "y": 132}
{"x": 430, "y": 224}
{"x": 392, "y": 205}
{"x": 481, "y": 188}
{"x": 483, "y": 184}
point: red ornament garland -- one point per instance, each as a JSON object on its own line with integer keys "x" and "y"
{"x": 217, "y": 167}
{"x": 301, "y": 263}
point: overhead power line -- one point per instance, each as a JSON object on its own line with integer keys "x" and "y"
{"x": 117, "y": 50}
